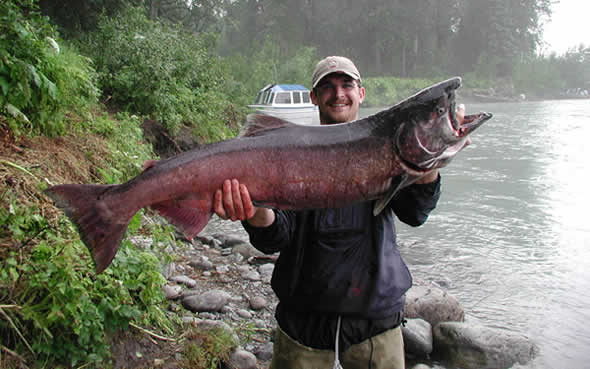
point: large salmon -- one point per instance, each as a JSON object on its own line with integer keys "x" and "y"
{"x": 283, "y": 165}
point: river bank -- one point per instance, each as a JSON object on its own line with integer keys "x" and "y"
{"x": 220, "y": 281}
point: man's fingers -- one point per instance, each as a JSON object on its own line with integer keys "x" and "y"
{"x": 233, "y": 201}
{"x": 460, "y": 113}
{"x": 218, "y": 205}
{"x": 249, "y": 208}
{"x": 228, "y": 202}
{"x": 237, "y": 201}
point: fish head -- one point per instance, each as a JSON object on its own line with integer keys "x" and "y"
{"x": 431, "y": 133}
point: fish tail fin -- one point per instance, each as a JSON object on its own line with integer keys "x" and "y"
{"x": 100, "y": 228}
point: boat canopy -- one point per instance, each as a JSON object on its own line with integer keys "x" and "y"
{"x": 283, "y": 94}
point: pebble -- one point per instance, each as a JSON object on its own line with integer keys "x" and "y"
{"x": 222, "y": 269}
{"x": 182, "y": 279}
{"x": 244, "y": 313}
{"x": 258, "y": 303}
{"x": 265, "y": 352}
{"x": 201, "y": 262}
{"x": 172, "y": 292}
{"x": 242, "y": 359}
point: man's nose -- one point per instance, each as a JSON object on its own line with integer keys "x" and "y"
{"x": 339, "y": 91}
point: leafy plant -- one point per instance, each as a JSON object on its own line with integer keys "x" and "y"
{"x": 207, "y": 349}
{"x": 64, "y": 309}
{"x": 38, "y": 78}
{"x": 159, "y": 70}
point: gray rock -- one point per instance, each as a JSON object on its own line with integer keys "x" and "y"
{"x": 246, "y": 250}
{"x": 169, "y": 270}
{"x": 259, "y": 323}
{"x": 208, "y": 324}
{"x": 480, "y": 347}
{"x": 172, "y": 292}
{"x": 209, "y": 301}
{"x": 244, "y": 313}
{"x": 265, "y": 352}
{"x": 433, "y": 305}
{"x": 243, "y": 269}
{"x": 251, "y": 275}
{"x": 205, "y": 239}
{"x": 417, "y": 338}
{"x": 266, "y": 270}
{"x": 202, "y": 262}
{"x": 182, "y": 279}
{"x": 190, "y": 320}
{"x": 228, "y": 241}
{"x": 222, "y": 269}
{"x": 241, "y": 359}
{"x": 258, "y": 303}
{"x": 236, "y": 258}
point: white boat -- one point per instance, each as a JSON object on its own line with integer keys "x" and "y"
{"x": 289, "y": 102}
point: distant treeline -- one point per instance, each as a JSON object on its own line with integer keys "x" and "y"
{"x": 418, "y": 39}
{"x": 184, "y": 62}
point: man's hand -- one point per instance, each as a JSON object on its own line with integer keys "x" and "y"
{"x": 233, "y": 202}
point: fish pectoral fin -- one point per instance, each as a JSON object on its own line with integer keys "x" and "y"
{"x": 397, "y": 183}
{"x": 259, "y": 124}
{"x": 189, "y": 215}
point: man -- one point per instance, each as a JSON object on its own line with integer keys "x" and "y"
{"x": 339, "y": 277}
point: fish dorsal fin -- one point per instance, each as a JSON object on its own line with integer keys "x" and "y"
{"x": 260, "y": 124}
{"x": 397, "y": 184}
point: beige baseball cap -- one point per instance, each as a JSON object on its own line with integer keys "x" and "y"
{"x": 334, "y": 64}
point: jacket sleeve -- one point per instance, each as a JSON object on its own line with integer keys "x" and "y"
{"x": 276, "y": 236}
{"x": 414, "y": 203}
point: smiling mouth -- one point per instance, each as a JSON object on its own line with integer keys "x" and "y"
{"x": 339, "y": 105}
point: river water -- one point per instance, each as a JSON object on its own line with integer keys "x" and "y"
{"x": 510, "y": 237}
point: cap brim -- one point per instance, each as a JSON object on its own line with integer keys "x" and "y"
{"x": 351, "y": 75}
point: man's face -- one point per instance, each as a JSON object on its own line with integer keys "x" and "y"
{"x": 338, "y": 98}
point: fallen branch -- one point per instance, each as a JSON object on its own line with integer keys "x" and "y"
{"x": 12, "y": 353}
{"x": 16, "y": 329}
{"x": 152, "y": 333}
{"x": 11, "y": 164}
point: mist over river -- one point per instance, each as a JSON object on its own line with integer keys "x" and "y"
{"x": 510, "y": 237}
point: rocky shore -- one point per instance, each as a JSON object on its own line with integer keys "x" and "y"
{"x": 220, "y": 281}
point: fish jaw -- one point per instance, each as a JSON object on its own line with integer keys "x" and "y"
{"x": 432, "y": 136}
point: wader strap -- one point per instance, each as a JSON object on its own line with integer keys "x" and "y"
{"x": 336, "y": 348}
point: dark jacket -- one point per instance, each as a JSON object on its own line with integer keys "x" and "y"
{"x": 343, "y": 261}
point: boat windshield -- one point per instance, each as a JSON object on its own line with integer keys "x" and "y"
{"x": 283, "y": 98}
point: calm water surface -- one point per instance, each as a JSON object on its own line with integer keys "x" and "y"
{"x": 510, "y": 237}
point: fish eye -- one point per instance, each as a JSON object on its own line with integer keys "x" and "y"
{"x": 441, "y": 110}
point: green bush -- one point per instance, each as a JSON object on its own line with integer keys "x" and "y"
{"x": 39, "y": 79}
{"x": 53, "y": 307}
{"x": 162, "y": 71}
{"x": 62, "y": 311}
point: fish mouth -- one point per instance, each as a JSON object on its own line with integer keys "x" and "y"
{"x": 470, "y": 123}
